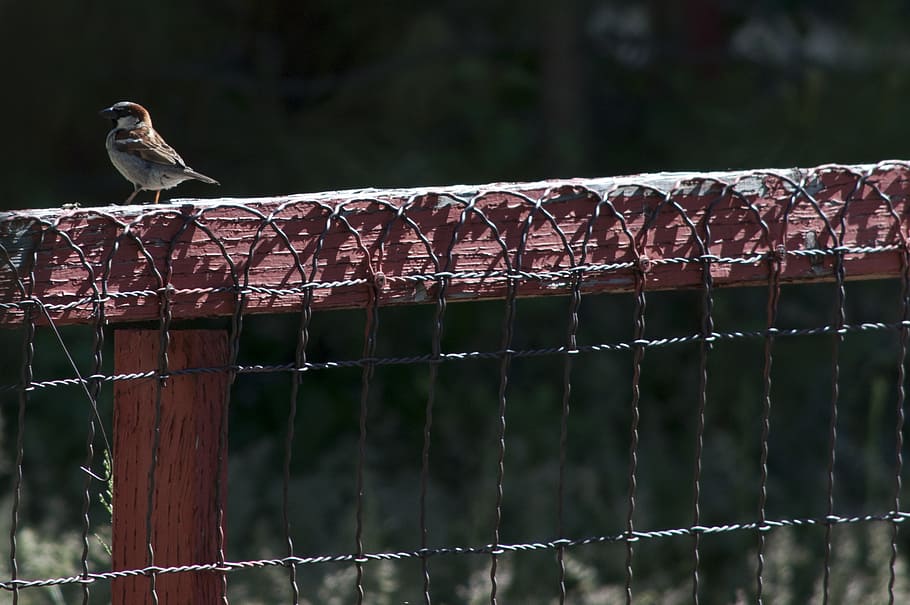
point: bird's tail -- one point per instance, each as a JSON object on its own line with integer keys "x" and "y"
{"x": 201, "y": 177}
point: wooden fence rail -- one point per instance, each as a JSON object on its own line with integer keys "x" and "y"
{"x": 340, "y": 244}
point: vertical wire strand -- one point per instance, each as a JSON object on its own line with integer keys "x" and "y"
{"x": 640, "y": 268}
{"x": 300, "y": 359}
{"x": 832, "y": 429}
{"x": 164, "y": 341}
{"x": 504, "y": 368}
{"x": 91, "y": 387}
{"x": 571, "y": 345}
{"x": 899, "y": 416}
{"x": 369, "y": 352}
{"x": 427, "y": 428}
{"x": 220, "y": 487}
{"x": 771, "y": 328}
{"x": 240, "y": 298}
{"x": 706, "y": 343}
{"x": 94, "y": 392}
{"x": 696, "y": 483}
{"x": 838, "y": 339}
{"x": 296, "y": 379}
{"x": 638, "y": 353}
{"x": 508, "y": 328}
{"x": 303, "y": 337}
{"x": 26, "y": 376}
{"x": 165, "y": 292}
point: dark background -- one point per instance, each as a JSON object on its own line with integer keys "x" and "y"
{"x": 288, "y": 97}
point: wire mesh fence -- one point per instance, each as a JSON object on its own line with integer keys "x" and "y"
{"x": 591, "y": 422}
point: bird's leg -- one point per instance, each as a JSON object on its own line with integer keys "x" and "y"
{"x": 132, "y": 195}
{"x": 157, "y": 195}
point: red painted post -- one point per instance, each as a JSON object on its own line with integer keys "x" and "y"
{"x": 184, "y": 509}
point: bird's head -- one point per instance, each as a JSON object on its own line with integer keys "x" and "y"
{"x": 126, "y": 114}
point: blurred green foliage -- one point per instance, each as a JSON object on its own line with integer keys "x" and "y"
{"x": 287, "y": 97}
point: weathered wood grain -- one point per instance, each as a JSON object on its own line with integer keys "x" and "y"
{"x": 342, "y": 242}
{"x": 184, "y": 516}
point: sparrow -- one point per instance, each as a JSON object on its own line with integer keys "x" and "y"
{"x": 141, "y": 155}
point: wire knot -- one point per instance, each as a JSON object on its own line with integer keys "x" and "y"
{"x": 644, "y": 264}
{"x": 777, "y": 253}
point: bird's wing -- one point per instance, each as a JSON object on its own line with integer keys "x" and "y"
{"x": 147, "y": 144}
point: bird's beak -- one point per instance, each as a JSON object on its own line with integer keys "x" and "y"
{"x": 108, "y": 113}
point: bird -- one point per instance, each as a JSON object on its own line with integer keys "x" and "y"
{"x": 139, "y": 153}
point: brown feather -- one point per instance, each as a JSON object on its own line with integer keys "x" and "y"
{"x": 148, "y": 145}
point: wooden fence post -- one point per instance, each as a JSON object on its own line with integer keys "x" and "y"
{"x": 184, "y": 509}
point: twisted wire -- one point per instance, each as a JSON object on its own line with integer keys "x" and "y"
{"x": 227, "y": 567}
{"x": 561, "y": 350}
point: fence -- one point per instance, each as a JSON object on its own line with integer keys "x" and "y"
{"x": 555, "y": 248}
